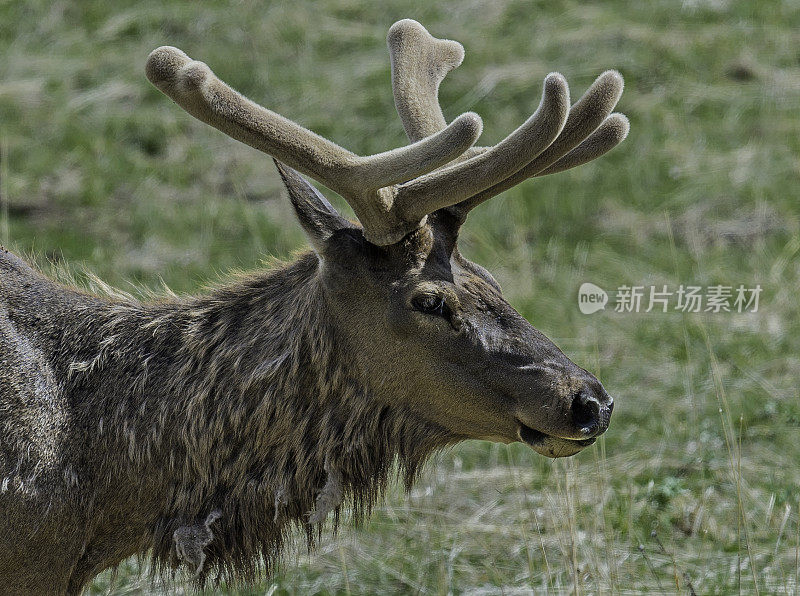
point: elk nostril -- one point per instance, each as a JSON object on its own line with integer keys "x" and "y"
{"x": 586, "y": 412}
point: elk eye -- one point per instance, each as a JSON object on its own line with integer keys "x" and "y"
{"x": 431, "y": 304}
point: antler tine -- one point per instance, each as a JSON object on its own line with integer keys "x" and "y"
{"x": 420, "y": 63}
{"x": 456, "y": 183}
{"x": 591, "y": 130}
{"x": 194, "y": 87}
{"x": 608, "y": 135}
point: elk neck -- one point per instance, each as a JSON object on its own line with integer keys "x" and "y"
{"x": 240, "y": 401}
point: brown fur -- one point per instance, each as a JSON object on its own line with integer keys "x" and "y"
{"x": 234, "y": 402}
{"x": 199, "y": 431}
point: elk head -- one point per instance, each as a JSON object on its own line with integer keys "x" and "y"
{"x": 425, "y": 326}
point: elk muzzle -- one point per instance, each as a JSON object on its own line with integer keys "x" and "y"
{"x": 559, "y": 414}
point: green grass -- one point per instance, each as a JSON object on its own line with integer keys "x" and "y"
{"x": 697, "y": 479}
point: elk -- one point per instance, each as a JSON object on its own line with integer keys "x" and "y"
{"x": 200, "y": 431}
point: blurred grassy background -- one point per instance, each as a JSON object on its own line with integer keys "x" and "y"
{"x": 696, "y": 482}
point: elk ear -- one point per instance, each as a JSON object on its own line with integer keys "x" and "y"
{"x": 317, "y": 216}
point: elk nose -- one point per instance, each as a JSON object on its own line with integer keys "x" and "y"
{"x": 591, "y": 411}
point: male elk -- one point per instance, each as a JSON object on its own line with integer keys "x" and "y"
{"x": 201, "y": 429}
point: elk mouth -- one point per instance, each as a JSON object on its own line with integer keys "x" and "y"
{"x": 548, "y": 445}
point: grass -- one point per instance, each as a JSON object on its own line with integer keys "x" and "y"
{"x": 695, "y": 486}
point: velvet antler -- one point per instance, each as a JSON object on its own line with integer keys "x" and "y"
{"x": 420, "y": 63}
{"x": 393, "y": 192}
{"x": 369, "y": 184}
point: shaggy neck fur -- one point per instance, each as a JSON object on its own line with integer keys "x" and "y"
{"x": 256, "y": 421}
